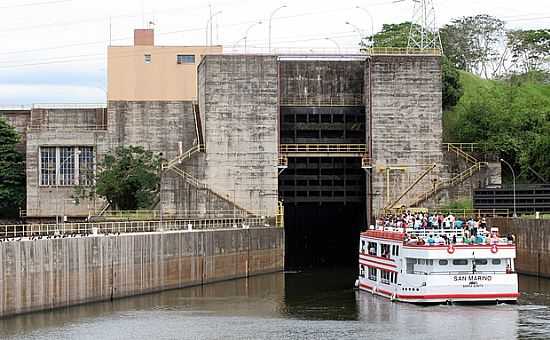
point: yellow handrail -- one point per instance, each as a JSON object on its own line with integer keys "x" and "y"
{"x": 337, "y": 148}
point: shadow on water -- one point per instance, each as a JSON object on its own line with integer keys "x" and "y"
{"x": 314, "y": 304}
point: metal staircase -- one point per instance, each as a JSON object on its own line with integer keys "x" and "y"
{"x": 186, "y": 155}
{"x": 194, "y": 182}
{"x": 475, "y": 166}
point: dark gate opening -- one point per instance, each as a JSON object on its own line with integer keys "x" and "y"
{"x": 323, "y": 139}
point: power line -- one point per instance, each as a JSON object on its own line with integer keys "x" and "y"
{"x": 95, "y": 56}
{"x": 32, "y": 4}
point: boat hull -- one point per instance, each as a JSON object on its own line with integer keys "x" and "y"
{"x": 480, "y": 298}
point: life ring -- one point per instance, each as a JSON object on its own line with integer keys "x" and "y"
{"x": 450, "y": 249}
{"x": 494, "y": 249}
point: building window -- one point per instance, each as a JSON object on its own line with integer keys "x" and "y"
{"x": 48, "y": 166}
{"x": 147, "y": 58}
{"x": 86, "y": 166}
{"x": 185, "y": 58}
{"x": 66, "y": 166}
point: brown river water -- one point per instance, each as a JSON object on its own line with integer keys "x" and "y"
{"x": 316, "y": 304}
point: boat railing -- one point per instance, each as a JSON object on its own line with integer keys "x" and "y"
{"x": 425, "y": 233}
{"x": 464, "y": 272}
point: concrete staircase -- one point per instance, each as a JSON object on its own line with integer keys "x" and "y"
{"x": 475, "y": 167}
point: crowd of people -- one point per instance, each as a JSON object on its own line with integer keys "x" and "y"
{"x": 474, "y": 230}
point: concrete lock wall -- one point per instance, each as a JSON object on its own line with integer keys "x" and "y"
{"x": 533, "y": 243}
{"x": 405, "y": 93}
{"x": 238, "y": 98}
{"x": 45, "y": 274}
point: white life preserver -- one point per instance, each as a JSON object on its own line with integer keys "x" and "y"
{"x": 494, "y": 249}
{"x": 450, "y": 249}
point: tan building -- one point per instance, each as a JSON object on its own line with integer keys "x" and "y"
{"x": 145, "y": 72}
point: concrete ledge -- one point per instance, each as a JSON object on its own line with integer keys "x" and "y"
{"x": 46, "y": 274}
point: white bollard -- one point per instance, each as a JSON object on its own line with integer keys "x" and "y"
{"x": 189, "y": 227}
{"x": 537, "y": 215}
{"x": 94, "y": 231}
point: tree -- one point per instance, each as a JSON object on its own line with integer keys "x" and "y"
{"x": 12, "y": 171}
{"x": 475, "y": 44}
{"x": 129, "y": 178}
{"x": 397, "y": 35}
{"x": 530, "y": 49}
{"x": 391, "y": 35}
{"x": 452, "y": 88}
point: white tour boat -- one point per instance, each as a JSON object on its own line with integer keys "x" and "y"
{"x": 437, "y": 266}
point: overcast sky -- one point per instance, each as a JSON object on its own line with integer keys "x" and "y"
{"x": 54, "y": 51}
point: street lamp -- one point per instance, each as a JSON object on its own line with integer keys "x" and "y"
{"x": 209, "y": 23}
{"x": 371, "y": 19}
{"x": 514, "y": 183}
{"x": 246, "y": 33}
{"x": 335, "y": 43}
{"x": 356, "y": 29}
{"x": 269, "y": 29}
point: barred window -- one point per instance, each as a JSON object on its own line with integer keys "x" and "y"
{"x": 47, "y": 166}
{"x": 58, "y": 165}
{"x": 86, "y": 165}
{"x": 66, "y": 166}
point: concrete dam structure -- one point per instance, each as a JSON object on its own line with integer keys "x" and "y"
{"x": 334, "y": 139}
{"x": 51, "y": 273}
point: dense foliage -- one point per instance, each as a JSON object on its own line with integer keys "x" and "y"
{"x": 129, "y": 178}
{"x": 12, "y": 171}
{"x": 509, "y": 117}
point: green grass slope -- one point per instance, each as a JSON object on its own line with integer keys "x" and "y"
{"x": 522, "y": 96}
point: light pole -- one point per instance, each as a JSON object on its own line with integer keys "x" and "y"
{"x": 514, "y": 183}
{"x": 246, "y": 33}
{"x": 371, "y": 19}
{"x": 209, "y": 24}
{"x": 269, "y": 28}
{"x": 356, "y": 29}
{"x": 335, "y": 43}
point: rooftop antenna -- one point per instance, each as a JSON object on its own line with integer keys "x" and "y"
{"x": 424, "y": 33}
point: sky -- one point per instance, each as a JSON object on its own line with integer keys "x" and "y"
{"x": 54, "y": 51}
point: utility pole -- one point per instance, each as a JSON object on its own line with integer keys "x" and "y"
{"x": 209, "y": 26}
{"x": 269, "y": 28}
{"x": 246, "y": 33}
{"x": 514, "y": 183}
{"x": 335, "y": 43}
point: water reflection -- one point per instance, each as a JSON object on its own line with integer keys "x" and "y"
{"x": 307, "y": 305}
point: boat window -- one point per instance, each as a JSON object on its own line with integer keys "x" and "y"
{"x": 461, "y": 262}
{"x": 373, "y": 248}
{"x": 481, "y": 262}
{"x": 385, "y": 250}
{"x": 394, "y": 277}
{"x": 362, "y": 271}
{"x": 396, "y": 250}
{"x": 496, "y": 261}
{"x": 430, "y": 262}
{"x": 410, "y": 265}
{"x": 422, "y": 261}
{"x": 385, "y": 277}
{"x": 372, "y": 273}
{"x": 363, "y": 244}
{"x": 443, "y": 262}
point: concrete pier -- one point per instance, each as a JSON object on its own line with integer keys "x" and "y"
{"x": 45, "y": 274}
{"x": 533, "y": 243}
